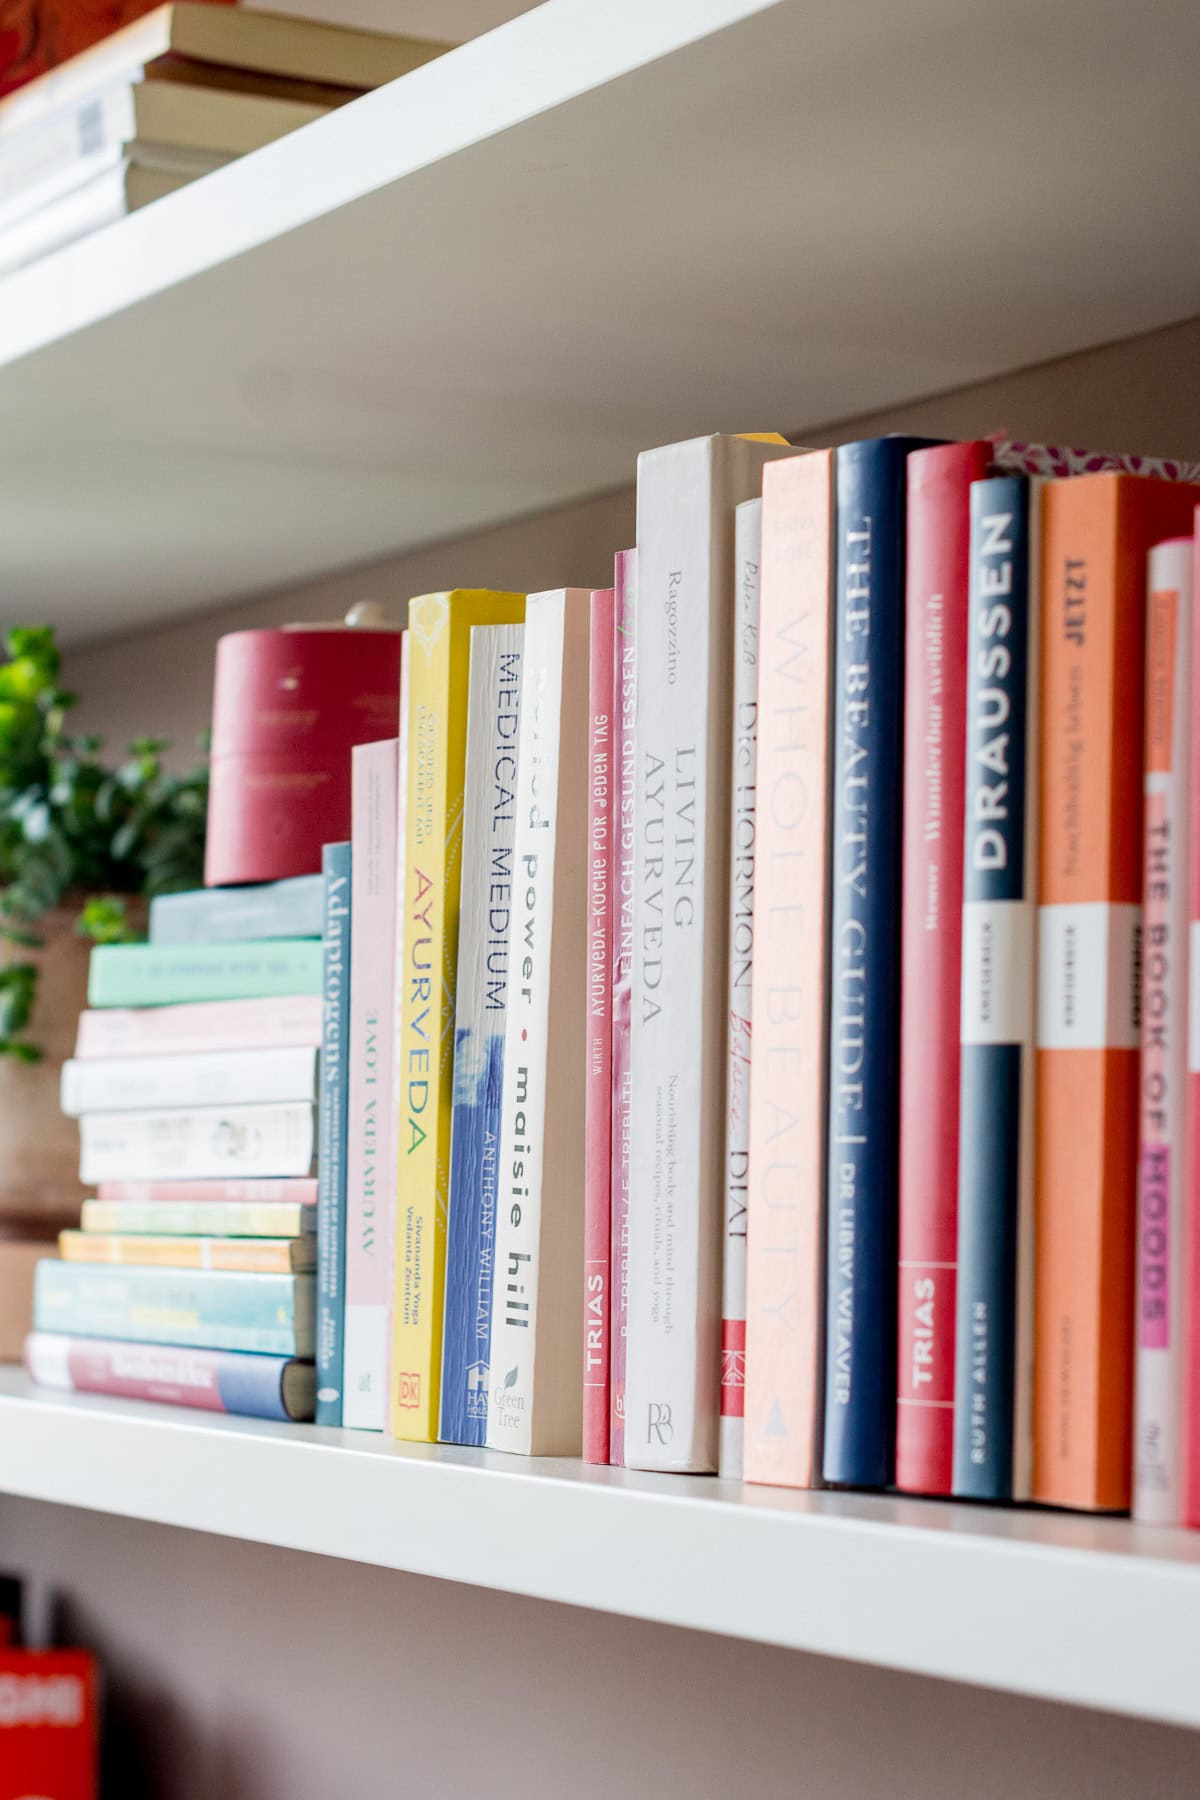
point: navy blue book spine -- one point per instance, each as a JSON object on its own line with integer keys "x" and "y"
{"x": 998, "y": 973}
{"x": 860, "y": 1343}
{"x": 331, "y": 1133}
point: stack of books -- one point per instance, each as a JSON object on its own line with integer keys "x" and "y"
{"x": 756, "y": 994}
{"x": 176, "y": 94}
{"x": 192, "y": 1275}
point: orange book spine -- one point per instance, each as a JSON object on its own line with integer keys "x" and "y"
{"x": 1098, "y": 530}
{"x": 786, "y": 1184}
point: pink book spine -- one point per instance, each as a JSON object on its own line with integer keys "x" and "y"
{"x": 788, "y": 1076}
{"x": 369, "y": 1168}
{"x": 598, "y": 1075}
{"x": 1162, "y": 1185}
{"x": 625, "y": 785}
{"x": 278, "y": 1024}
{"x": 292, "y": 1191}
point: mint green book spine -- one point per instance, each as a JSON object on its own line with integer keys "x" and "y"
{"x": 172, "y": 975}
{"x": 198, "y": 1309}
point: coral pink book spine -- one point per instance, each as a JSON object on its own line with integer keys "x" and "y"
{"x": 624, "y": 848}
{"x": 277, "y": 1024}
{"x": 297, "y": 1190}
{"x": 935, "y": 701}
{"x": 789, "y": 1016}
{"x": 598, "y": 1079}
{"x": 1190, "y": 1249}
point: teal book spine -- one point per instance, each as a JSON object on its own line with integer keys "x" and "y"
{"x": 332, "y": 1135}
{"x": 172, "y": 975}
{"x": 199, "y": 1309}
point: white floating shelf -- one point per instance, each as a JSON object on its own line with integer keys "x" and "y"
{"x": 1096, "y": 1612}
{"x": 484, "y": 288}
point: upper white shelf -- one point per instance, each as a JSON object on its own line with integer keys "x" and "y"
{"x": 481, "y": 290}
{"x": 1096, "y": 1612}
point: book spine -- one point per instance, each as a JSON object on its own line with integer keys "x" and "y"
{"x": 597, "y": 1263}
{"x": 535, "y": 1402}
{"x": 143, "y": 975}
{"x": 210, "y": 1380}
{"x": 860, "y": 1396}
{"x": 214, "y": 1078}
{"x": 301, "y": 1192}
{"x": 789, "y": 1077}
{"x": 1097, "y": 534}
{"x": 1189, "y": 1335}
{"x": 203, "y": 1218}
{"x": 258, "y": 1256}
{"x": 1162, "y": 1227}
{"x": 197, "y": 1309}
{"x": 939, "y": 481}
{"x": 281, "y": 909}
{"x": 332, "y": 1133}
{"x": 687, "y": 494}
{"x": 625, "y": 776}
{"x": 206, "y": 1142}
{"x": 369, "y": 1093}
{"x": 996, "y": 1144}
{"x": 481, "y": 1007}
{"x": 277, "y": 1024}
{"x": 747, "y": 558}
{"x": 439, "y": 683}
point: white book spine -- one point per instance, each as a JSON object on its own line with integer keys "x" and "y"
{"x": 370, "y": 1167}
{"x": 535, "y": 1402}
{"x": 209, "y": 1078}
{"x": 1163, "y": 1227}
{"x": 210, "y": 1142}
{"x": 686, "y": 498}
{"x": 747, "y": 556}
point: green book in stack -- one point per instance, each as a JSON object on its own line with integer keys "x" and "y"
{"x": 173, "y": 974}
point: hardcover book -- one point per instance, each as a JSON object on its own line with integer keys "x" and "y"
{"x": 685, "y": 508}
{"x": 602, "y": 809}
{"x": 150, "y": 975}
{"x": 239, "y": 915}
{"x": 260, "y": 1256}
{"x": 1097, "y": 533}
{"x": 230, "y": 1381}
{"x": 201, "y": 1218}
{"x": 273, "y": 1024}
{"x": 994, "y": 1352}
{"x": 195, "y": 1309}
{"x": 332, "y": 1132}
{"x": 439, "y": 673}
{"x": 371, "y": 1091}
{"x": 860, "y": 1305}
{"x": 480, "y": 1009}
{"x": 535, "y": 1402}
{"x": 625, "y": 849}
{"x": 1163, "y": 1222}
{"x": 785, "y": 1272}
{"x": 50, "y": 1720}
{"x": 935, "y": 683}
{"x": 209, "y": 1078}
{"x": 206, "y": 1142}
{"x": 747, "y": 558}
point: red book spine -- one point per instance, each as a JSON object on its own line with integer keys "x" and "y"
{"x": 624, "y": 786}
{"x": 598, "y": 1079}
{"x": 935, "y": 689}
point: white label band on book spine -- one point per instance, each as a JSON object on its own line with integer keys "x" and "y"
{"x": 998, "y": 972}
{"x": 1089, "y": 977}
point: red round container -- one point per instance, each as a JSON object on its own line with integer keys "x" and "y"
{"x": 288, "y": 707}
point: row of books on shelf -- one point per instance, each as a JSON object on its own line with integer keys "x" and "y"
{"x": 727, "y": 1008}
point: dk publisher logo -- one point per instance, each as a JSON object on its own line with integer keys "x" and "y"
{"x": 408, "y": 1388}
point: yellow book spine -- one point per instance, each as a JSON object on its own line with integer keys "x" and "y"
{"x": 254, "y": 1256}
{"x": 439, "y": 650}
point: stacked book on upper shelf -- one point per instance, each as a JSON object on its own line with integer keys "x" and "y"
{"x": 191, "y": 1277}
{"x": 169, "y": 98}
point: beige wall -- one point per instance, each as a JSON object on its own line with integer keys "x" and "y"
{"x": 1140, "y": 395}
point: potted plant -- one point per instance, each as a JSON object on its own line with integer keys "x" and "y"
{"x": 83, "y": 844}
